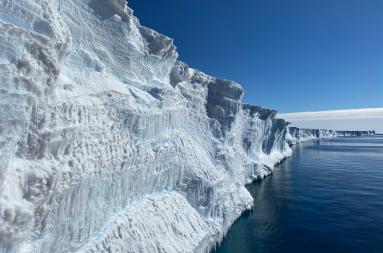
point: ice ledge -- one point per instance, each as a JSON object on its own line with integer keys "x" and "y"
{"x": 162, "y": 222}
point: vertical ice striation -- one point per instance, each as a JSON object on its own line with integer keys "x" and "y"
{"x": 109, "y": 144}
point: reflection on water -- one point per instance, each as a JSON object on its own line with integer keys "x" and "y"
{"x": 327, "y": 198}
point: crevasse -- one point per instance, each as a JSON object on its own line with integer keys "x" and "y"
{"x": 109, "y": 144}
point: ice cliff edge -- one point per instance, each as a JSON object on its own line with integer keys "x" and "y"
{"x": 109, "y": 144}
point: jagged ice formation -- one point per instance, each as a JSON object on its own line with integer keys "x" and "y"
{"x": 109, "y": 144}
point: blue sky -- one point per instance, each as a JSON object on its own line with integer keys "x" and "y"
{"x": 291, "y": 55}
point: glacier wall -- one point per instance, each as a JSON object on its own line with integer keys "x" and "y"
{"x": 296, "y": 135}
{"x": 109, "y": 144}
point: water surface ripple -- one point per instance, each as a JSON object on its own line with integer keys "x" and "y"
{"x": 328, "y": 197}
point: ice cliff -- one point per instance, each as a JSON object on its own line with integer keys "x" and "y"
{"x": 109, "y": 144}
{"x": 296, "y": 135}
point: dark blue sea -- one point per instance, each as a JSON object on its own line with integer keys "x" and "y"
{"x": 328, "y": 197}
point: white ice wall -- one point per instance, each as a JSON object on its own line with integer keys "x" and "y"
{"x": 108, "y": 144}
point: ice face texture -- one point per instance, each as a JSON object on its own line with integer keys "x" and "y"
{"x": 109, "y": 144}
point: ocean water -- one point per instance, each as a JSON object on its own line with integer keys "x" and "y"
{"x": 328, "y": 197}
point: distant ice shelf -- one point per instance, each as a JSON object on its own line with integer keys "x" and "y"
{"x": 109, "y": 144}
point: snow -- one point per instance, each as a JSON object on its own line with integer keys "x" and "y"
{"x": 109, "y": 144}
{"x": 353, "y": 119}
